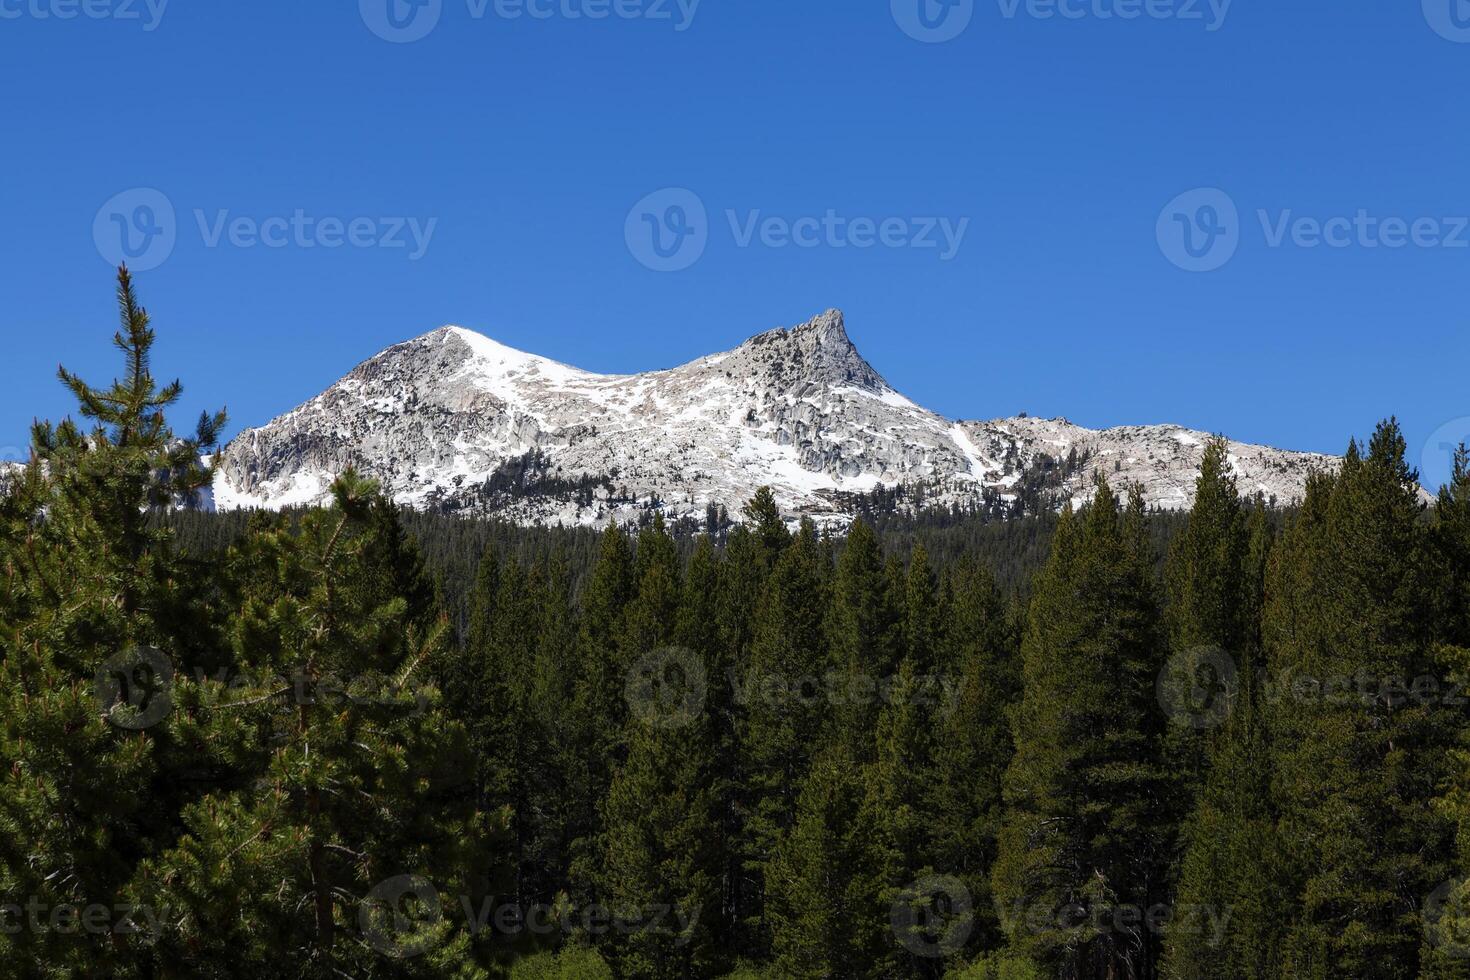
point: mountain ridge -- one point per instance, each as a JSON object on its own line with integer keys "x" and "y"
{"x": 455, "y": 421}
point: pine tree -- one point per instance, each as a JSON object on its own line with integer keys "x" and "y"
{"x": 1205, "y": 578}
{"x": 507, "y": 750}
{"x": 1081, "y": 846}
{"x": 1206, "y": 585}
{"x": 763, "y": 517}
{"x": 101, "y": 614}
{"x": 660, "y": 863}
{"x": 972, "y": 742}
{"x": 472, "y": 685}
{"x": 662, "y": 824}
{"x": 1452, "y": 537}
{"x": 784, "y": 702}
{"x": 307, "y": 869}
{"x": 599, "y": 710}
{"x": 552, "y": 729}
{"x": 898, "y": 826}
{"x": 1358, "y": 758}
{"x": 1448, "y": 909}
{"x": 820, "y": 893}
{"x": 1228, "y": 902}
{"x": 924, "y": 616}
{"x": 652, "y": 617}
{"x": 700, "y": 632}
{"x": 863, "y": 638}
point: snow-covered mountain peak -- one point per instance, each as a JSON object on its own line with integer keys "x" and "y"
{"x": 457, "y": 421}
{"x": 486, "y": 356}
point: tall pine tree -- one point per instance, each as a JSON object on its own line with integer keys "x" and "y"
{"x": 1082, "y": 852}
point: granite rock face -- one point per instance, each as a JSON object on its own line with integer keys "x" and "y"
{"x": 442, "y": 417}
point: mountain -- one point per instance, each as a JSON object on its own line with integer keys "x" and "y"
{"x": 454, "y": 421}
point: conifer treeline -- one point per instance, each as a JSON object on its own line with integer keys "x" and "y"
{"x": 772, "y": 755}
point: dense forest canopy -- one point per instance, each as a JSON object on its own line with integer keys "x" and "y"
{"x": 361, "y": 742}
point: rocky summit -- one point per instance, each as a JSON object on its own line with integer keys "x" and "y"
{"x": 455, "y": 422}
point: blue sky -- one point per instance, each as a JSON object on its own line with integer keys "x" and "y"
{"x": 1073, "y": 146}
